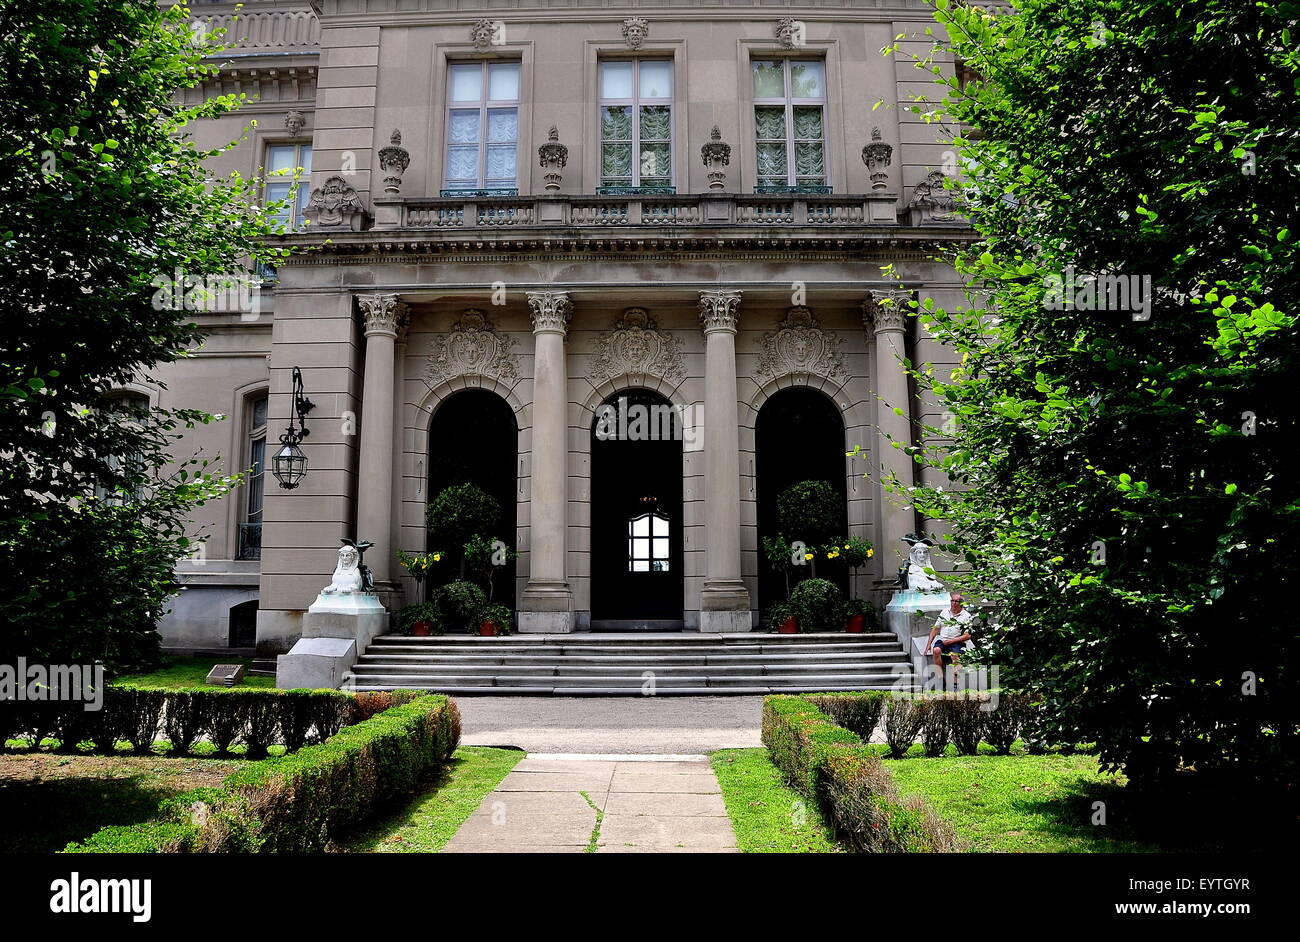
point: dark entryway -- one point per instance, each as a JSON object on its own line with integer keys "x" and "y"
{"x": 799, "y": 436}
{"x": 473, "y": 438}
{"x": 636, "y": 513}
{"x": 242, "y": 626}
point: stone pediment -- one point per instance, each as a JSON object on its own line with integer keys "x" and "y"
{"x": 636, "y": 347}
{"x": 799, "y": 345}
{"x": 473, "y": 347}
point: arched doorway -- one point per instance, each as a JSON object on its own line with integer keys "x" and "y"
{"x": 799, "y": 436}
{"x": 474, "y": 438}
{"x": 636, "y": 513}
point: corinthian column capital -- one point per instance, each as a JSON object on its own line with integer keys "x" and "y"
{"x": 550, "y": 311}
{"x": 718, "y": 311}
{"x": 383, "y": 313}
{"x": 886, "y": 309}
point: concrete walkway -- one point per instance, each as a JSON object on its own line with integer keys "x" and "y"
{"x": 612, "y": 724}
{"x": 549, "y": 803}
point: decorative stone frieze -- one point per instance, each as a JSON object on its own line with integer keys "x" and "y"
{"x": 335, "y": 205}
{"x": 799, "y": 346}
{"x": 473, "y": 347}
{"x": 635, "y": 31}
{"x": 716, "y": 154}
{"x": 550, "y": 311}
{"x": 636, "y": 347}
{"x": 718, "y": 310}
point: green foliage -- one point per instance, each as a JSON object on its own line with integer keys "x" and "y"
{"x": 1121, "y": 488}
{"x": 460, "y": 606}
{"x": 459, "y": 514}
{"x": 777, "y": 614}
{"x": 137, "y": 715}
{"x": 859, "y": 713}
{"x": 300, "y": 803}
{"x": 818, "y": 604}
{"x": 418, "y": 612}
{"x": 759, "y": 803}
{"x": 499, "y": 615}
{"x": 103, "y": 193}
{"x": 810, "y": 511}
{"x": 829, "y": 765}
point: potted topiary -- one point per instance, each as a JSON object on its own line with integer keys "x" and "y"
{"x": 460, "y": 604}
{"x": 855, "y": 616}
{"x": 818, "y": 605}
{"x": 494, "y": 620}
{"x": 420, "y": 620}
{"x": 781, "y": 619}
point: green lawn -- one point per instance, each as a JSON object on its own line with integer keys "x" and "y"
{"x": 1023, "y": 803}
{"x": 189, "y": 672}
{"x": 48, "y": 800}
{"x": 768, "y": 816}
{"x": 434, "y": 815}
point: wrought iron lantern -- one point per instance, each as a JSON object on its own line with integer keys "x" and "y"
{"x": 289, "y": 464}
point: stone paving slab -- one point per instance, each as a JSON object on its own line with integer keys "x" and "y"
{"x": 658, "y": 803}
{"x": 669, "y": 784}
{"x": 671, "y": 806}
{"x": 706, "y": 832}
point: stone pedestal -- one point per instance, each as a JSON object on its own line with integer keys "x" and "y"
{"x": 911, "y": 614}
{"x": 336, "y": 629}
{"x": 315, "y": 664}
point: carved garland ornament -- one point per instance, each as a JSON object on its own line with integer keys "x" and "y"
{"x": 473, "y": 347}
{"x": 799, "y": 345}
{"x": 636, "y": 347}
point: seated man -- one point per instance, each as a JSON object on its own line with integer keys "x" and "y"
{"x": 952, "y": 630}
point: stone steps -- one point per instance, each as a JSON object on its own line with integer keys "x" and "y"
{"x": 596, "y": 664}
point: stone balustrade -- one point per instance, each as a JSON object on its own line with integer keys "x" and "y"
{"x": 662, "y": 211}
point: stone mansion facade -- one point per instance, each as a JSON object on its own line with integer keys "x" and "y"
{"x": 516, "y": 219}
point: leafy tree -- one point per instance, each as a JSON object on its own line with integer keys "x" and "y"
{"x": 103, "y": 199}
{"x": 462, "y": 514}
{"x": 1126, "y": 487}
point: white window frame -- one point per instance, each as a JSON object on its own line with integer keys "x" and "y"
{"x": 654, "y": 561}
{"x": 790, "y": 103}
{"x": 635, "y": 104}
{"x": 483, "y": 105}
{"x": 298, "y": 188}
{"x": 253, "y": 435}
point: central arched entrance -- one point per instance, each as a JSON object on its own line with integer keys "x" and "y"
{"x": 474, "y": 439}
{"x": 636, "y": 514}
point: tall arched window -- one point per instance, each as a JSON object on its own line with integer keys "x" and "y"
{"x": 250, "y": 526}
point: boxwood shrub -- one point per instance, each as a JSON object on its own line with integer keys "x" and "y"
{"x": 301, "y": 802}
{"x": 256, "y": 718}
{"x": 832, "y": 767}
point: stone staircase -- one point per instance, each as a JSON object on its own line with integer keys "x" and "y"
{"x": 623, "y": 664}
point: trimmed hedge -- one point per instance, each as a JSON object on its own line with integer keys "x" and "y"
{"x": 257, "y": 718}
{"x": 832, "y": 767}
{"x": 859, "y": 713}
{"x": 300, "y": 803}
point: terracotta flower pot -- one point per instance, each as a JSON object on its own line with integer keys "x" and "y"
{"x": 488, "y": 628}
{"x": 854, "y": 624}
{"x": 422, "y": 629}
{"x": 789, "y": 627}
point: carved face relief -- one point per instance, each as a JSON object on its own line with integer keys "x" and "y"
{"x": 635, "y": 31}
{"x": 636, "y": 347}
{"x": 473, "y": 347}
{"x": 799, "y": 346}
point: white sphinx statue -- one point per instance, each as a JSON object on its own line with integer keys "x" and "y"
{"x": 918, "y": 561}
{"x": 349, "y": 575}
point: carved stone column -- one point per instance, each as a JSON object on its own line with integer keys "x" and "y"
{"x": 724, "y": 600}
{"x": 547, "y": 601}
{"x": 385, "y": 316}
{"x": 885, "y": 314}
{"x": 399, "y": 426}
